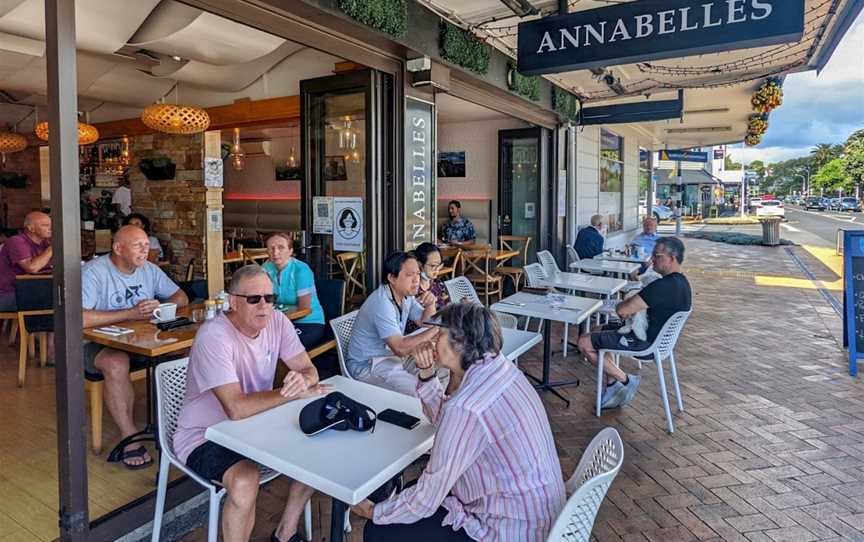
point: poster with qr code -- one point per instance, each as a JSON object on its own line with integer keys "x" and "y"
{"x": 322, "y": 215}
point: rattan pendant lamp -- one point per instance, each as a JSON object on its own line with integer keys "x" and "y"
{"x": 87, "y": 133}
{"x": 175, "y": 118}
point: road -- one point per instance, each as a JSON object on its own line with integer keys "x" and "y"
{"x": 818, "y": 227}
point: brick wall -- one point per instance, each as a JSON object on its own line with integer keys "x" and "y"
{"x": 176, "y": 208}
{"x": 18, "y": 202}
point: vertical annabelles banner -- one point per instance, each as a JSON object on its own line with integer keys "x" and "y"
{"x": 419, "y": 172}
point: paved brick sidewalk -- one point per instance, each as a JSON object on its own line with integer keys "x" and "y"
{"x": 770, "y": 446}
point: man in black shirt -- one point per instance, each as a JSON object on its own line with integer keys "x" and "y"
{"x": 662, "y": 298}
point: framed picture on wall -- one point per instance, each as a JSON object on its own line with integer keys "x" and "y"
{"x": 334, "y": 168}
{"x": 451, "y": 164}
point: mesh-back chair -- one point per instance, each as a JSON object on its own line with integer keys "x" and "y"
{"x": 587, "y": 488}
{"x": 661, "y": 349}
{"x": 572, "y": 255}
{"x": 460, "y": 288}
{"x": 35, "y": 318}
{"x": 170, "y": 391}
{"x": 536, "y": 274}
{"x": 342, "y": 328}
{"x": 547, "y": 260}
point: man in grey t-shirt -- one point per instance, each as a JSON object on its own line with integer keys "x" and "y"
{"x": 118, "y": 287}
{"x": 378, "y": 343}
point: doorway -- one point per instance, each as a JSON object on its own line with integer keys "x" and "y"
{"x": 521, "y": 173}
{"x": 347, "y": 139}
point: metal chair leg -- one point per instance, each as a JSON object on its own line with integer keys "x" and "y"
{"x": 675, "y": 383}
{"x": 663, "y": 396}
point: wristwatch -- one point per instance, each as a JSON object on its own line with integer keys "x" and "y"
{"x": 430, "y": 377}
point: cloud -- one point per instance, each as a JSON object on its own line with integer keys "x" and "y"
{"x": 818, "y": 109}
{"x": 769, "y": 155}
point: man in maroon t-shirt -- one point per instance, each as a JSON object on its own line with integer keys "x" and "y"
{"x": 27, "y": 252}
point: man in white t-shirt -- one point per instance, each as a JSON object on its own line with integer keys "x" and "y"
{"x": 230, "y": 376}
{"x": 123, "y": 198}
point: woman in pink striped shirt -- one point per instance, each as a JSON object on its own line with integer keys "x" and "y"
{"x": 494, "y": 473}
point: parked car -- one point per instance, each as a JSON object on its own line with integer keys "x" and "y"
{"x": 771, "y": 207}
{"x": 834, "y": 204}
{"x": 755, "y": 203}
{"x": 850, "y": 204}
{"x": 814, "y": 202}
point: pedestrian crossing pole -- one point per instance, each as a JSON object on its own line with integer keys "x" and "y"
{"x": 678, "y": 209}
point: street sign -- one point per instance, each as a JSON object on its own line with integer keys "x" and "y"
{"x": 631, "y": 32}
{"x": 684, "y": 156}
{"x": 853, "y": 295}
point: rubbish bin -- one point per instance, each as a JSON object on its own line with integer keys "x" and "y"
{"x": 771, "y": 230}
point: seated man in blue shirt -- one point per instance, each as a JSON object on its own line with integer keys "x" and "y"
{"x": 589, "y": 241}
{"x": 458, "y": 229}
{"x": 647, "y": 239}
{"x": 378, "y": 349}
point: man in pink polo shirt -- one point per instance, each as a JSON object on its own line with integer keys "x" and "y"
{"x": 230, "y": 376}
{"x": 27, "y": 252}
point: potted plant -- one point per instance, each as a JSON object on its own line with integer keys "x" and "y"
{"x": 158, "y": 168}
{"x": 10, "y": 179}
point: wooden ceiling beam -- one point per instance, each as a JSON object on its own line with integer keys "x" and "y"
{"x": 242, "y": 113}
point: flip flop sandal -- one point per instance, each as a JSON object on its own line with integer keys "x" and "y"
{"x": 132, "y": 454}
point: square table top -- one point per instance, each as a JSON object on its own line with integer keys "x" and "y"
{"x": 346, "y": 465}
{"x": 585, "y": 283}
{"x": 518, "y": 341}
{"x": 148, "y": 340}
{"x": 574, "y": 311}
{"x": 605, "y": 266}
{"x": 622, "y": 258}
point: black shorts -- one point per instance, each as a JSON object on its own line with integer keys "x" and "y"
{"x": 610, "y": 339}
{"x": 210, "y": 461}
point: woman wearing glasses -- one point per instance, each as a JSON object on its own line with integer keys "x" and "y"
{"x": 429, "y": 257}
{"x": 294, "y": 284}
{"x": 493, "y": 473}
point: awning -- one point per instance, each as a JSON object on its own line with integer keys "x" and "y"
{"x": 688, "y": 176}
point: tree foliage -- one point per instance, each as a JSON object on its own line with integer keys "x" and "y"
{"x": 853, "y": 157}
{"x": 824, "y": 153}
{"x": 832, "y": 177}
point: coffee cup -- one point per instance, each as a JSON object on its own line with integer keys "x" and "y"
{"x": 165, "y": 312}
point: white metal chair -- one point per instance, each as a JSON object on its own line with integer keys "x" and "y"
{"x": 587, "y": 488}
{"x": 547, "y": 260}
{"x": 572, "y": 255}
{"x": 342, "y": 327}
{"x": 662, "y": 348}
{"x": 536, "y": 274}
{"x": 461, "y": 288}
{"x": 170, "y": 390}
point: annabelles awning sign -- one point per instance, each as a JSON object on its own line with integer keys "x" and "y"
{"x": 653, "y": 30}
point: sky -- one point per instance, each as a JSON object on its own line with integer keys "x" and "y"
{"x": 823, "y": 109}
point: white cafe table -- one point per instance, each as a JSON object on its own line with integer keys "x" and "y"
{"x": 603, "y": 266}
{"x": 622, "y": 258}
{"x": 346, "y": 465}
{"x": 574, "y": 311}
{"x": 580, "y": 282}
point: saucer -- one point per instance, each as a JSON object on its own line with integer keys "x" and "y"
{"x": 155, "y": 321}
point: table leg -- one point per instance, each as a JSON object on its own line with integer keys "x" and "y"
{"x": 337, "y": 520}
{"x": 545, "y": 384}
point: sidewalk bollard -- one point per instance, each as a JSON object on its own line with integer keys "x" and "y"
{"x": 678, "y": 221}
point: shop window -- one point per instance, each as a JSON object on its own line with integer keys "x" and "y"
{"x": 612, "y": 178}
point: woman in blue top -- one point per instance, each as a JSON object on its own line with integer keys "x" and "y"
{"x": 294, "y": 284}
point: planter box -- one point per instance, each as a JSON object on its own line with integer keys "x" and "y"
{"x": 160, "y": 173}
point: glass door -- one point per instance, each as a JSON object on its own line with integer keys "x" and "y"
{"x": 346, "y": 162}
{"x": 520, "y": 171}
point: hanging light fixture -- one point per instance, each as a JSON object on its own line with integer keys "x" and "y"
{"x": 237, "y": 155}
{"x": 87, "y": 133}
{"x": 174, "y": 118}
{"x": 292, "y": 160}
{"x": 12, "y": 142}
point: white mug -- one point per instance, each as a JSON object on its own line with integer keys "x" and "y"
{"x": 165, "y": 312}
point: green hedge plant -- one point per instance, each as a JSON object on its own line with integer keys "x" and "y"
{"x": 524, "y": 85}
{"x": 565, "y": 104}
{"x": 463, "y": 48}
{"x": 388, "y": 16}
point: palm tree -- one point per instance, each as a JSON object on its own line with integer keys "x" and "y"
{"x": 823, "y": 153}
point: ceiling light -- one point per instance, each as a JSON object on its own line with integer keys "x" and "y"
{"x": 176, "y": 58}
{"x": 12, "y": 142}
{"x": 87, "y": 133}
{"x": 175, "y": 119}
{"x": 237, "y": 156}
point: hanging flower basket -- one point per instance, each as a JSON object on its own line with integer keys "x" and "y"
{"x": 160, "y": 168}
{"x": 768, "y": 98}
{"x": 753, "y": 140}
{"x": 757, "y": 125}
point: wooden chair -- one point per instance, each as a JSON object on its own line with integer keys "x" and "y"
{"x": 10, "y": 320}
{"x": 94, "y": 386}
{"x": 254, "y": 255}
{"x": 478, "y": 272}
{"x": 507, "y": 242}
{"x": 35, "y": 320}
{"x": 353, "y": 267}
{"x": 455, "y": 256}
